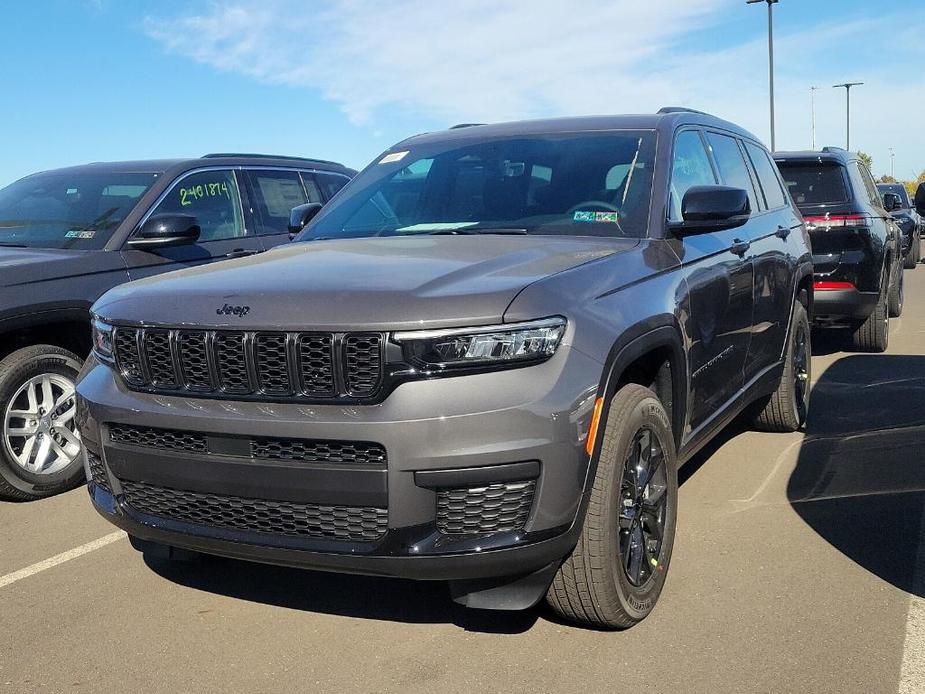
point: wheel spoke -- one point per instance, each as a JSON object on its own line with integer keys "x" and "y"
{"x": 25, "y": 456}
{"x": 68, "y": 435}
{"x": 66, "y": 395}
{"x": 67, "y": 415}
{"x": 41, "y": 457}
{"x": 32, "y": 396}
{"x": 27, "y": 430}
{"x": 48, "y": 397}
{"x": 634, "y": 553}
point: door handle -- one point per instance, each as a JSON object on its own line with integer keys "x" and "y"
{"x": 242, "y": 252}
{"x": 783, "y": 232}
{"x": 739, "y": 247}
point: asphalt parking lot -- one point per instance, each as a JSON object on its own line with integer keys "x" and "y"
{"x": 798, "y": 567}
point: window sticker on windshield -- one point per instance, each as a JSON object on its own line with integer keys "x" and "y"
{"x": 79, "y": 234}
{"x": 393, "y": 157}
{"x": 600, "y": 217}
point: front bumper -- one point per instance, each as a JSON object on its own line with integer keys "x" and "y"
{"x": 441, "y": 436}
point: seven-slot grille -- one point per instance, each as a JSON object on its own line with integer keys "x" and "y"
{"x": 228, "y": 363}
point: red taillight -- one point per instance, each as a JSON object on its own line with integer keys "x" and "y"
{"x": 831, "y": 221}
{"x": 829, "y": 286}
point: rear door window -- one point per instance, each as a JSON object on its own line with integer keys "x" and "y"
{"x": 330, "y": 183}
{"x": 767, "y": 176}
{"x": 273, "y": 195}
{"x": 815, "y": 183}
{"x": 732, "y": 166}
{"x": 690, "y": 166}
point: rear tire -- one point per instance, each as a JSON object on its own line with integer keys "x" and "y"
{"x": 873, "y": 335}
{"x": 897, "y": 294}
{"x": 616, "y": 572}
{"x": 22, "y": 389}
{"x": 911, "y": 261}
{"x": 786, "y": 409}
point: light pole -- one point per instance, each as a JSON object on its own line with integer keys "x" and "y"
{"x": 812, "y": 101}
{"x": 892, "y": 164}
{"x": 771, "y": 4}
{"x": 847, "y": 86}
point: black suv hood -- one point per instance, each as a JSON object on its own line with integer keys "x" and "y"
{"x": 385, "y": 283}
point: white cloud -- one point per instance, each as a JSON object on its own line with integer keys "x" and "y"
{"x": 487, "y": 61}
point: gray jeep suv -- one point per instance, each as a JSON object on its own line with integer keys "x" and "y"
{"x": 483, "y": 362}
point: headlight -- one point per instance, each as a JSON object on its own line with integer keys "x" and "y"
{"x": 516, "y": 344}
{"x": 101, "y": 335}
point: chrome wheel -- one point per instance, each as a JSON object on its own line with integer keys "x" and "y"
{"x": 39, "y": 426}
{"x": 643, "y": 507}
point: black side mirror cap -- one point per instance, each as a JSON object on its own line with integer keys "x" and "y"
{"x": 712, "y": 208}
{"x": 891, "y": 201}
{"x": 163, "y": 230}
{"x": 920, "y": 199}
{"x": 300, "y": 216}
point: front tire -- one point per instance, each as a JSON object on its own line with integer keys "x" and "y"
{"x": 39, "y": 444}
{"x": 616, "y": 572}
{"x": 786, "y": 409}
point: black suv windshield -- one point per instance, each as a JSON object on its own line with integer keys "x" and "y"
{"x": 587, "y": 184}
{"x": 897, "y": 189}
{"x": 68, "y": 210}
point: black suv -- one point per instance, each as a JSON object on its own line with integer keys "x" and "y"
{"x": 857, "y": 247}
{"x": 483, "y": 362}
{"x": 896, "y": 202}
{"x": 66, "y": 236}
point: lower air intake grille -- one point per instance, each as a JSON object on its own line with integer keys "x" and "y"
{"x": 491, "y": 509}
{"x": 168, "y": 439}
{"x": 98, "y": 472}
{"x": 345, "y": 523}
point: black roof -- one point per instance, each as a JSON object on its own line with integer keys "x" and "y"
{"x": 160, "y": 166}
{"x": 825, "y": 154}
{"x": 667, "y": 118}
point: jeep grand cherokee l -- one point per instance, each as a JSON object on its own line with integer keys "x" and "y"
{"x": 856, "y": 243}
{"x": 481, "y": 363}
{"x": 66, "y": 236}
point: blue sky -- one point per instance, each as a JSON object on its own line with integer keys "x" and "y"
{"x": 93, "y": 80}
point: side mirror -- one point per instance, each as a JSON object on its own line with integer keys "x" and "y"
{"x": 891, "y": 202}
{"x": 163, "y": 230}
{"x": 300, "y": 216}
{"x": 712, "y": 208}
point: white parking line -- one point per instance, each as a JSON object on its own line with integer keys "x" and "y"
{"x": 912, "y": 675}
{"x": 60, "y": 558}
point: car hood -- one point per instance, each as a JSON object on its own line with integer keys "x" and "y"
{"x": 30, "y": 265}
{"x": 378, "y": 284}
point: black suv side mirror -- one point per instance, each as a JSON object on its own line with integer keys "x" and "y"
{"x": 891, "y": 201}
{"x": 712, "y": 208}
{"x": 163, "y": 230}
{"x": 920, "y": 199}
{"x": 300, "y": 216}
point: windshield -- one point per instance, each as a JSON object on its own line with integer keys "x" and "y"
{"x": 68, "y": 210}
{"x": 577, "y": 184}
{"x": 814, "y": 183}
{"x": 897, "y": 189}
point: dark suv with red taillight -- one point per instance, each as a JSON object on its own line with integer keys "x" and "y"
{"x": 858, "y": 278}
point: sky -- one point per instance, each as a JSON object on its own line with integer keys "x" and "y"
{"x": 101, "y": 80}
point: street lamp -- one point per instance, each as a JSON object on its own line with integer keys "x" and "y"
{"x": 771, "y": 4}
{"x": 812, "y": 101}
{"x": 892, "y": 164}
{"x": 847, "y": 86}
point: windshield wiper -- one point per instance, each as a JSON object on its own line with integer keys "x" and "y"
{"x": 462, "y": 231}
{"x": 4, "y": 244}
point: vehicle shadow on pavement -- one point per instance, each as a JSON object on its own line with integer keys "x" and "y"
{"x": 860, "y": 477}
{"x": 366, "y": 597}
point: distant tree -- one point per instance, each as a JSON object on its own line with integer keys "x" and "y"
{"x": 886, "y": 178}
{"x": 866, "y": 159}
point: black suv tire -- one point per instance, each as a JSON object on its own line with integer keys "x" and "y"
{"x": 17, "y": 483}
{"x": 897, "y": 294}
{"x": 786, "y": 409}
{"x": 592, "y": 587}
{"x": 873, "y": 335}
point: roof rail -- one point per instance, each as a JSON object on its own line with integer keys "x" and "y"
{"x": 251, "y": 155}
{"x": 680, "y": 109}
{"x": 464, "y": 125}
